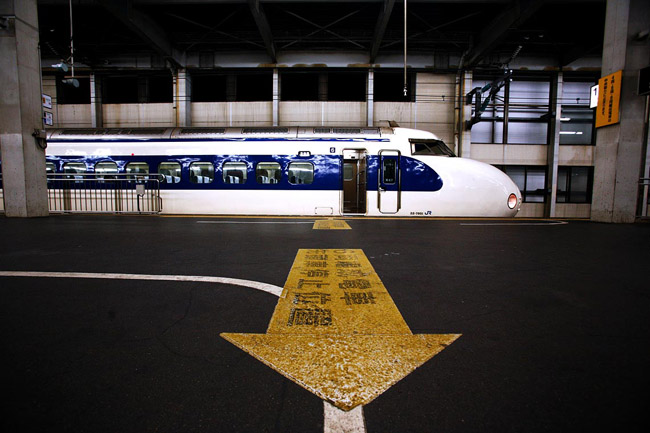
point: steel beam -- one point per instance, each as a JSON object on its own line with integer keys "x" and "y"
{"x": 264, "y": 28}
{"x": 145, "y": 28}
{"x": 494, "y": 33}
{"x": 380, "y": 28}
{"x": 575, "y": 52}
{"x": 320, "y": 28}
{"x": 324, "y": 28}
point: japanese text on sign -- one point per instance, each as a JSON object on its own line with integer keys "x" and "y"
{"x": 608, "y": 99}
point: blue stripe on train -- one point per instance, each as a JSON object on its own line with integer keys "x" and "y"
{"x": 416, "y": 176}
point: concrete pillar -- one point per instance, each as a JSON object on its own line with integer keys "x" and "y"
{"x": 231, "y": 88}
{"x": 96, "y": 107}
{"x": 183, "y": 98}
{"x": 465, "y": 141}
{"x": 619, "y": 147}
{"x": 276, "y": 97}
{"x": 23, "y": 159}
{"x": 322, "y": 86}
{"x": 143, "y": 90}
{"x": 370, "y": 98}
{"x": 553, "y": 152}
{"x": 643, "y": 203}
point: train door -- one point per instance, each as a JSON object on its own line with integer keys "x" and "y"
{"x": 354, "y": 181}
{"x": 389, "y": 188}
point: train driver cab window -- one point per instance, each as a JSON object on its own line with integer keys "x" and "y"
{"x": 105, "y": 169}
{"x": 268, "y": 172}
{"x": 234, "y": 172}
{"x": 201, "y": 172}
{"x": 170, "y": 172}
{"x": 137, "y": 170}
{"x": 301, "y": 173}
{"x": 430, "y": 147}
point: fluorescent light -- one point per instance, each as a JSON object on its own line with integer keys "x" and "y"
{"x": 565, "y": 119}
{"x": 570, "y": 132}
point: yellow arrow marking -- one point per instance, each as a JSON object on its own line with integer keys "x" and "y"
{"x": 337, "y": 332}
{"x": 331, "y": 225}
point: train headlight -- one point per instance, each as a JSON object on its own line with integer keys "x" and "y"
{"x": 512, "y": 201}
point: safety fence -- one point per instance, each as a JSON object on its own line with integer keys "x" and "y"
{"x": 104, "y": 193}
{"x": 101, "y": 193}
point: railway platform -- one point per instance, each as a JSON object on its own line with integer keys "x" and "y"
{"x": 188, "y": 324}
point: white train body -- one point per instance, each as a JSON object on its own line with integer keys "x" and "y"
{"x": 294, "y": 171}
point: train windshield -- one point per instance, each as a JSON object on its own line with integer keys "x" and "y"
{"x": 429, "y": 147}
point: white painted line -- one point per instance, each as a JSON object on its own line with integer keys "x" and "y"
{"x": 340, "y": 421}
{"x": 552, "y": 223}
{"x": 255, "y": 222}
{"x": 268, "y": 288}
{"x": 336, "y": 420}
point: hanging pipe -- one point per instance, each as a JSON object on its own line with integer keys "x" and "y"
{"x": 405, "y": 78}
{"x": 71, "y": 42}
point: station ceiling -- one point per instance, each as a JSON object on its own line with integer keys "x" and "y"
{"x": 476, "y": 31}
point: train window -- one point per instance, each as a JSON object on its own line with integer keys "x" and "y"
{"x": 575, "y": 184}
{"x": 234, "y": 172}
{"x": 348, "y": 171}
{"x": 170, "y": 172}
{"x": 137, "y": 170}
{"x": 389, "y": 170}
{"x": 268, "y": 172}
{"x": 74, "y": 167}
{"x": 201, "y": 172}
{"x": 104, "y": 168}
{"x": 430, "y": 147}
{"x": 301, "y": 173}
{"x": 531, "y": 181}
{"x": 50, "y": 168}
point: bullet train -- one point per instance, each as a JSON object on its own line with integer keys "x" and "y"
{"x": 374, "y": 171}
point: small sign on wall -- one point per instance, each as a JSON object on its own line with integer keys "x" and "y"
{"x": 593, "y": 96}
{"x": 48, "y": 120}
{"x": 609, "y": 96}
{"x": 47, "y": 100}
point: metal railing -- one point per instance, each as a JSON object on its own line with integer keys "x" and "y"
{"x": 2, "y": 197}
{"x": 104, "y": 193}
{"x": 644, "y": 183}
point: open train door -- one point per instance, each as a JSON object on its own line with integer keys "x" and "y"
{"x": 389, "y": 188}
{"x": 354, "y": 181}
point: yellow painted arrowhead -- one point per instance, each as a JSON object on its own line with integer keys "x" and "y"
{"x": 346, "y": 370}
{"x": 337, "y": 332}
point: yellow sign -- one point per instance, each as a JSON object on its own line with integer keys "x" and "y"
{"x": 609, "y": 96}
{"x": 337, "y": 332}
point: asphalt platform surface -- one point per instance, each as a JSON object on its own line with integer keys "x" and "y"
{"x": 555, "y": 324}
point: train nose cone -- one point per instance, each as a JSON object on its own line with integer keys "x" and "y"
{"x": 497, "y": 190}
